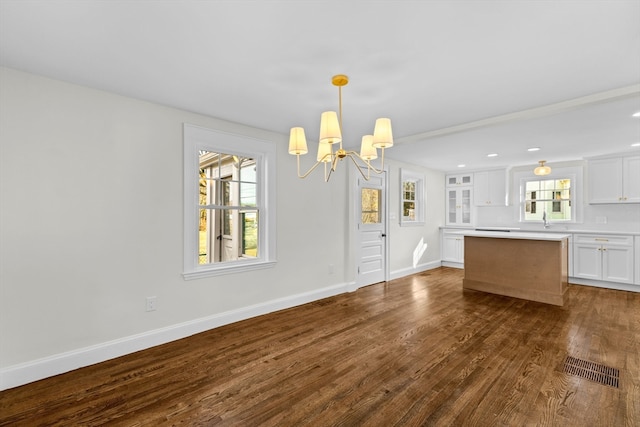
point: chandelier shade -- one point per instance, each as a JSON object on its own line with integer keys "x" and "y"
{"x": 330, "y": 128}
{"x": 382, "y": 134}
{"x": 331, "y": 133}
{"x": 367, "y": 150}
{"x": 324, "y": 152}
{"x": 297, "y": 141}
{"x": 542, "y": 169}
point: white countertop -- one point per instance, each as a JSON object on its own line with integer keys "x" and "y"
{"x": 552, "y": 230}
{"x": 513, "y": 235}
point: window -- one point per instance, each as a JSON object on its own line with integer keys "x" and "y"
{"x": 411, "y": 198}
{"x": 551, "y": 196}
{"x": 228, "y": 209}
{"x": 229, "y": 203}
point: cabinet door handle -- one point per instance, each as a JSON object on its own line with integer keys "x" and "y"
{"x": 601, "y": 240}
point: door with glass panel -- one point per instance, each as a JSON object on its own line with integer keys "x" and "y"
{"x": 372, "y": 240}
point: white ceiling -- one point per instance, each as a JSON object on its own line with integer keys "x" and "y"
{"x": 450, "y": 74}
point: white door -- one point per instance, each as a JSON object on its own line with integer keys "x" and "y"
{"x": 371, "y": 246}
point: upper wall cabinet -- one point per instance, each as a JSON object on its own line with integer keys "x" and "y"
{"x": 461, "y": 179}
{"x": 490, "y": 188}
{"x": 459, "y": 203}
{"x": 614, "y": 180}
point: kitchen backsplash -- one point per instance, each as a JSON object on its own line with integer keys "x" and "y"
{"x": 594, "y": 217}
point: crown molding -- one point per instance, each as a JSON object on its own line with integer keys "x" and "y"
{"x": 546, "y": 110}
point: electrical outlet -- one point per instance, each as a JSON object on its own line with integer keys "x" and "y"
{"x": 152, "y": 303}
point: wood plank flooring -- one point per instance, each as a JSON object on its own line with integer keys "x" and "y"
{"x": 417, "y": 351}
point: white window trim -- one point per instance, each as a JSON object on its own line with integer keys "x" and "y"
{"x": 264, "y": 152}
{"x": 418, "y": 178}
{"x": 574, "y": 173}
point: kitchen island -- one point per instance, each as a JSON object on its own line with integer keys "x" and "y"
{"x": 531, "y": 266}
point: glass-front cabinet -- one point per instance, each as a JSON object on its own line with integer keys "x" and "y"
{"x": 459, "y": 202}
{"x": 459, "y": 179}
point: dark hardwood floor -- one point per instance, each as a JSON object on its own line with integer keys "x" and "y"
{"x": 414, "y": 351}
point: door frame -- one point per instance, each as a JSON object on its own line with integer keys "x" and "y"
{"x": 354, "y": 211}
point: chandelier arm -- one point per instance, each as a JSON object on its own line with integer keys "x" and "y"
{"x": 334, "y": 163}
{"x": 306, "y": 174}
{"x": 368, "y": 162}
{"x": 352, "y": 155}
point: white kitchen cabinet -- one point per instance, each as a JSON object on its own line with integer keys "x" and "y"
{"x": 603, "y": 257}
{"x": 452, "y": 249}
{"x": 490, "y": 188}
{"x": 614, "y": 180}
{"x": 459, "y": 179}
{"x": 458, "y": 205}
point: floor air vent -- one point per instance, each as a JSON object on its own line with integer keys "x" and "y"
{"x": 592, "y": 371}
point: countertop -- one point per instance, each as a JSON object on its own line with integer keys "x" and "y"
{"x": 513, "y": 235}
{"x": 550, "y": 230}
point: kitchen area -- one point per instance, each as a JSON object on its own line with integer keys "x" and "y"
{"x": 593, "y": 205}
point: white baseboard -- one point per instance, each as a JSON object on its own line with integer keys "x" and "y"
{"x": 453, "y": 264}
{"x": 24, "y": 373}
{"x": 418, "y": 269}
{"x": 607, "y": 285}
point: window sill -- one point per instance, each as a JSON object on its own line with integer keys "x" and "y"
{"x": 227, "y": 269}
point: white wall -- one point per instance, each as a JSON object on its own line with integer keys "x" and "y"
{"x": 403, "y": 240}
{"x": 91, "y": 224}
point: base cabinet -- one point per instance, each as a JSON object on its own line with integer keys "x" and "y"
{"x": 453, "y": 249}
{"x": 603, "y": 257}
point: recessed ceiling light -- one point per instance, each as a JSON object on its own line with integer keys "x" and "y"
{"x": 636, "y": 114}
{"x": 637, "y": 144}
{"x": 533, "y": 149}
{"x": 492, "y": 155}
{"x": 462, "y": 166}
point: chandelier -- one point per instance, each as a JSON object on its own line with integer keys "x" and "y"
{"x": 331, "y": 134}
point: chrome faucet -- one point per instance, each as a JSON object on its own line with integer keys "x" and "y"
{"x": 544, "y": 220}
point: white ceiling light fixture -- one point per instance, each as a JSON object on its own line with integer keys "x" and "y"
{"x": 533, "y": 149}
{"x": 331, "y": 133}
{"x": 636, "y": 114}
{"x": 542, "y": 169}
{"x": 492, "y": 155}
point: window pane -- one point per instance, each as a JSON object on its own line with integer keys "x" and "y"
{"x": 370, "y": 205}
{"x": 203, "y": 237}
{"x": 550, "y": 196}
{"x": 250, "y": 233}
{"x": 248, "y": 171}
{"x": 248, "y": 194}
{"x": 408, "y": 210}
